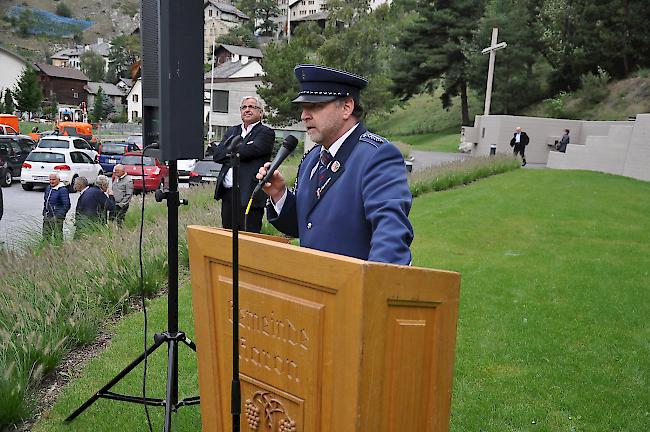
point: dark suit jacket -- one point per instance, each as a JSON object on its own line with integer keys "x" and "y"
{"x": 363, "y": 209}
{"x": 254, "y": 150}
{"x": 523, "y": 140}
{"x": 93, "y": 204}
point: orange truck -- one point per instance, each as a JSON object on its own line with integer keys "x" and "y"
{"x": 80, "y": 129}
{"x": 9, "y": 124}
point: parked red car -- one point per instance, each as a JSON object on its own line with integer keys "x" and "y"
{"x": 154, "y": 171}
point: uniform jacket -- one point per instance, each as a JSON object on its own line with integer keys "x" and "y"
{"x": 93, "y": 204}
{"x": 255, "y": 149}
{"x": 56, "y": 201}
{"x": 363, "y": 209}
{"x": 523, "y": 140}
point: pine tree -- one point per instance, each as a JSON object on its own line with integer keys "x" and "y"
{"x": 434, "y": 47}
{"x": 28, "y": 92}
{"x": 98, "y": 106}
{"x": 260, "y": 13}
{"x": 517, "y": 80}
{"x": 8, "y": 102}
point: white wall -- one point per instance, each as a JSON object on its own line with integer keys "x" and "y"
{"x": 133, "y": 105}
{"x": 10, "y": 70}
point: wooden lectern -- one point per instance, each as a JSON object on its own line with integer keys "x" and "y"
{"x": 327, "y": 343}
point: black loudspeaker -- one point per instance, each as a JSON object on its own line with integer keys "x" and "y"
{"x": 172, "y": 77}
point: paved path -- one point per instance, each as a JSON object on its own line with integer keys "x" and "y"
{"x": 425, "y": 159}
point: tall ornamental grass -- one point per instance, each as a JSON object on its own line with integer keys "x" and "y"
{"x": 460, "y": 172}
{"x": 55, "y": 298}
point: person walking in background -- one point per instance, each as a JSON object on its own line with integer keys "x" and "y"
{"x": 255, "y": 149}
{"x": 91, "y": 206}
{"x": 56, "y": 203}
{"x": 564, "y": 141}
{"x": 351, "y": 195}
{"x": 519, "y": 142}
{"x": 123, "y": 192}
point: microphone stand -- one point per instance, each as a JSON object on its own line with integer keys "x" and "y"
{"x": 235, "y": 389}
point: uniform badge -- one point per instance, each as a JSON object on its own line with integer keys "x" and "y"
{"x": 335, "y": 166}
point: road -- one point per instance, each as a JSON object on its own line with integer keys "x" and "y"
{"x": 22, "y": 220}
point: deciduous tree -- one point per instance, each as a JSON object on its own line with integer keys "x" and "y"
{"x": 93, "y": 65}
{"x": 260, "y": 13}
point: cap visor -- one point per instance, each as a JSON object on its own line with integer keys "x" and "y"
{"x": 314, "y": 98}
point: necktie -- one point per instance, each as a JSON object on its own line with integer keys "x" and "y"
{"x": 321, "y": 171}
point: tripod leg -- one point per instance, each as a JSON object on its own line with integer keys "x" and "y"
{"x": 115, "y": 380}
{"x": 172, "y": 383}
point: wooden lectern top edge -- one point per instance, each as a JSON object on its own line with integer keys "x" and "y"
{"x": 284, "y": 242}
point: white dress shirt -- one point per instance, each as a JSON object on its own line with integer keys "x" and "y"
{"x": 227, "y": 180}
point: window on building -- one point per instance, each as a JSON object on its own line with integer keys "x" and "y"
{"x": 210, "y": 12}
{"x": 134, "y": 115}
{"x": 220, "y": 101}
{"x": 75, "y": 95}
{"x": 135, "y": 98}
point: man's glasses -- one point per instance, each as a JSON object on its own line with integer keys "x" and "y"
{"x": 243, "y": 107}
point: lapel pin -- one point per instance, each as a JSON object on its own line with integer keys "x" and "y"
{"x": 335, "y": 166}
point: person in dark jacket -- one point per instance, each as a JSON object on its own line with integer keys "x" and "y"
{"x": 255, "y": 149}
{"x": 56, "y": 203}
{"x": 519, "y": 142}
{"x": 564, "y": 141}
{"x": 92, "y": 205}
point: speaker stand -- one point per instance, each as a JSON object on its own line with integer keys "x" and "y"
{"x": 172, "y": 337}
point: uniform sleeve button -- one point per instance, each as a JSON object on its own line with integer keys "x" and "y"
{"x": 309, "y": 225}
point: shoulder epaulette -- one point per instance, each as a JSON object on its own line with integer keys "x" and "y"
{"x": 373, "y": 139}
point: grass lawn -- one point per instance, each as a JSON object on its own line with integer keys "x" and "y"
{"x": 552, "y": 334}
{"x": 443, "y": 141}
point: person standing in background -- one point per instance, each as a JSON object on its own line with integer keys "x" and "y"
{"x": 56, "y": 203}
{"x": 519, "y": 142}
{"x": 255, "y": 149}
{"x": 123, "y": 192}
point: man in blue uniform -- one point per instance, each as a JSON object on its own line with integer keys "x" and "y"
{"x": 351, "y": 195}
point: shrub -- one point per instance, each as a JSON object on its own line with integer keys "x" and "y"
{"x": 63, "y": 10}
{"x": 593, "y": 87}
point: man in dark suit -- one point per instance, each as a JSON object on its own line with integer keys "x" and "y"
{"x": 255, "y": 149}
{"x": 519, "y": 142}
{"x": 92, "y": 205}
{"x": 351, "y": 196}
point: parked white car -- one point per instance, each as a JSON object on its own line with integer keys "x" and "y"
{"x": 185, "y": 167}
{"x": 69, "y": 164}
{"x": 68, "y": 142}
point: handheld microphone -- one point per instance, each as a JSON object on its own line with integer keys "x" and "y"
{"x": 288, "y": 146}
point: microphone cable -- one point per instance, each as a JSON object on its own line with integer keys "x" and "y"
{"x": 142, "y": 293}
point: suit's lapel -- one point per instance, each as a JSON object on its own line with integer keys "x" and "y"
{"x": 335, "y": 168}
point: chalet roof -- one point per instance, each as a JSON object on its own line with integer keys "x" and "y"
{"x": 227, "y": 69}
{"x": 102, "y": 49}
{"x": 243, "y": 51}
{"x": 127, "y": 81}
{"x": 228, "y": 8}
{"x": 61, "y": 72}
{"x": 108, "y": 88}
{"x": 318, "y": 16}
